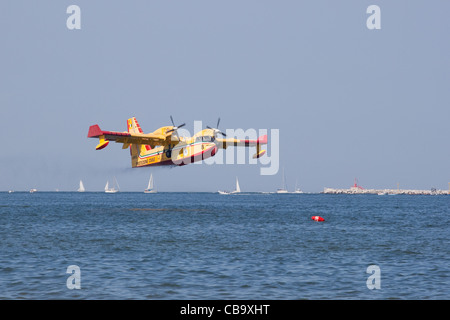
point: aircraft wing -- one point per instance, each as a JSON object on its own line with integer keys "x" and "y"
{"x": 125, "y": 137}
{"x": 224, "y": 143}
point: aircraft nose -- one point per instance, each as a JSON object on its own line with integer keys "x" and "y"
{"x": 214, "y": 151}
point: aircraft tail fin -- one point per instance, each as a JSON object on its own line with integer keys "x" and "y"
{"x": 136, "y": 150}
{"x": 133, "y": 126}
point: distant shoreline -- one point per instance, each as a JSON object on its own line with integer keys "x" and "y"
{"x": 358, "y": 190}
{"x": 325, "y": 191}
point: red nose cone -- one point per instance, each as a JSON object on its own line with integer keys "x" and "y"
{"x": 213, "y": 152}
{"x": 317, "y": 218}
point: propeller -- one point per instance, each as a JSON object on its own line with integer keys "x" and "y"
{"x": 175, "y": 128}
{"x": 216, "y": 130}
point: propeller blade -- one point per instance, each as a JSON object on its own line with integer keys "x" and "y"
{"x": 216, "y": 130}
{"x": 175, "y": 128}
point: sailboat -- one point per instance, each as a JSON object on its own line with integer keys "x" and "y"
{"x": 297, "y": 190}
{"x": 283, "y": 188}
{"x": 238, "y": 189}
{"x": 113, "y": 189}
{"x": 150, "y": 187}
{"x": 81, "y": 188}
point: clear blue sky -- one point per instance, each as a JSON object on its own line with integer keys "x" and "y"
{"x": 349, "y": 102}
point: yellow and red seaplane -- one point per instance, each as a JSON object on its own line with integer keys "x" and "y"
{"x": 165, "y": 147}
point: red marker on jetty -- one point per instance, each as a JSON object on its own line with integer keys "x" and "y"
{"x": 317, "y": 218}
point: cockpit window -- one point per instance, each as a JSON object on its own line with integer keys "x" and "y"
{"x": 206, "y": 138}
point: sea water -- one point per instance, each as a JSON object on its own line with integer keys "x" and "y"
{"x": 209, "y": 246}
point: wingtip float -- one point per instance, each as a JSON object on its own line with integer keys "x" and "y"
{"x": 103, "y": 143}
{"x": 165, "y": 147}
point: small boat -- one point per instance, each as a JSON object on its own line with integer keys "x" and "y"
{"x": 150, "y": 187}
{"x": 238, "y": 189}
{"x": 81, "y": 188}
{"x": 297, "y": 190}
{"x": 283, "y": 188}
{"x": 113, "y": 189}
{"x": 33, "y": 190}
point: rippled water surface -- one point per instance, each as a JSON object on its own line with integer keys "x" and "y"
{"x": 211, "y": 246}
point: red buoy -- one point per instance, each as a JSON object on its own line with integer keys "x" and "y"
{"x": 317, "y": 218}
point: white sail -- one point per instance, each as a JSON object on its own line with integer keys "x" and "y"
{"x": 117, "y": 183}
{"x": 150, "y": 182}
{"x": 238, "y": 189}
{"x": 113, "y": 189}
{"x": 150, "y": 187}
{"x": 81, "y": 188}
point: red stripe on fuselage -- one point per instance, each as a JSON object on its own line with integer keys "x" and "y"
{"x": 205, "y": 154}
